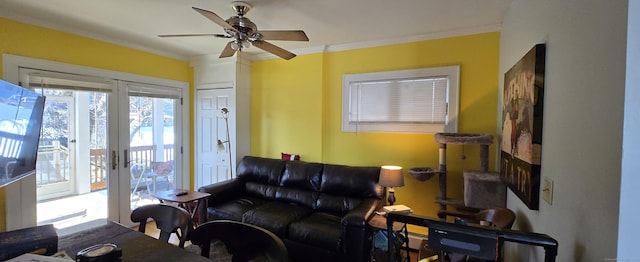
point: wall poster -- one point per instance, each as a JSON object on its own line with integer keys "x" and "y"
{"x": 521, "y": 143}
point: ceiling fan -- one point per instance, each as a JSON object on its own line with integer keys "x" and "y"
{"x": 245, "y": 33}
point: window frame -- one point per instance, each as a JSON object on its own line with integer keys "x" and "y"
{"x": 450, "y": 125}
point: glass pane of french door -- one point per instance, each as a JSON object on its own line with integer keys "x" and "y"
{"x": 152, "y": 147}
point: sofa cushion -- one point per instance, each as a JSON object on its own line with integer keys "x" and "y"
{"x": 336, "y": 203}
{"x": 300, "y": 183}
{"x": 233, "y": 209}
{"x": 302, "y": 175}
{"x": 319, "y": 229}
{"x": 360, "y": 182}
{"x": 343, "y": 187}
{"x": 263, "y": 170}
{"x": 276, "y": 216}
{"x": 261, "y": 190}
{"x": 298, "y": 196}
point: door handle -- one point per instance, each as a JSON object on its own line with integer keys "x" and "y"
{"x": 126, "y": 158}
{"x": 114, "y": 160}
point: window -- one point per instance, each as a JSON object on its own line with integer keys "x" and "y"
{"x": 416, "y": 101}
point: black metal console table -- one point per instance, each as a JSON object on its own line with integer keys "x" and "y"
{"x": 470, "y": 239}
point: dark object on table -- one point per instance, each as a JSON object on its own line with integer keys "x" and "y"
{"x": 168, "y": 218}
{"x": 99, "y": 253}
{"x": 320, "y": 211}
{"x": 41, "y": 240}
{"x": 243, "y": 241}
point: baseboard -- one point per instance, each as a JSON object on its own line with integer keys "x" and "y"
{"x": 415, "y": 239}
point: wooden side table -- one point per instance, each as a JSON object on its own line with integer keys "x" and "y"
{"x": 189, "y": 201}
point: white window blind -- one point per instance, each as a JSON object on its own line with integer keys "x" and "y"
{"x": 401, "y": 101}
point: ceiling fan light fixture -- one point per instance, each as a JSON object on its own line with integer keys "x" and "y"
{"x": 238, "y": 45}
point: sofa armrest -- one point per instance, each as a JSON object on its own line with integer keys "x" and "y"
{"x": 356, "y": 234}
{"x": 359, "y": 216}
{"x": 223, "y": 191}
{"x": 220, "y": 192}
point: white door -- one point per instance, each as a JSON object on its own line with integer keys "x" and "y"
{"x": 214, "y": 142}
{"x": 150, "y": 144}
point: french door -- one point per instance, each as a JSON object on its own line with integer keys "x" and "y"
{"x": 150, "y": 157}
{"x": 109, "y": 143}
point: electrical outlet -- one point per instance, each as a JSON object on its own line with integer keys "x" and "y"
{"x": 547, "y": 190}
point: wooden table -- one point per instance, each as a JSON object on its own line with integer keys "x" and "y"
{"x": 135, "y": 246}
{"x": 189, "y": 201}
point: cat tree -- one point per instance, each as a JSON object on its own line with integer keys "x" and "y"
{"x": 482, "y": 188}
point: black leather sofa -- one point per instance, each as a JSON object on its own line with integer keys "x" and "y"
{"x": 320, "y": 211}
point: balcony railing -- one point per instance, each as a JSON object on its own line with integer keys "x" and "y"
{"x": 53, "y": 165}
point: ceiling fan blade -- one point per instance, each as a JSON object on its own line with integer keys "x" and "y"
{"x": 288, "y": 35}
{"x": 266, "y": 46}
{"x": 190, "y": 35}
{"x": 215, "y": 18}
{"x": 227, "y": 51}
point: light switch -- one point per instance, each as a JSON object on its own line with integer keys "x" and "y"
{"x": 547, "y": 190}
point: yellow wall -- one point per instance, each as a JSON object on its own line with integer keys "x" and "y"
{"x": 287, "y": 106}
{"x": 296, "y": 108}
{"x": 42, "y": 43}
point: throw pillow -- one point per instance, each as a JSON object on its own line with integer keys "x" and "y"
{"x": 286, "y": 156}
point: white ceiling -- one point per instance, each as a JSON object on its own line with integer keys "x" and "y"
{"x": 328, "y": 23}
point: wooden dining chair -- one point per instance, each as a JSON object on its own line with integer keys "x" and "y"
{"x": 168, "y": 219}
{"x": 243, "y": 241}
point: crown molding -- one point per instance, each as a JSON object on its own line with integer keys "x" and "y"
{"x": 391, "y": 41}
{"x": 417, "y": 38}
{"x": 88, "y": 34}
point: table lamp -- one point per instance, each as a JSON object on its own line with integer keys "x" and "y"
{"x": 391, "y": 176}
